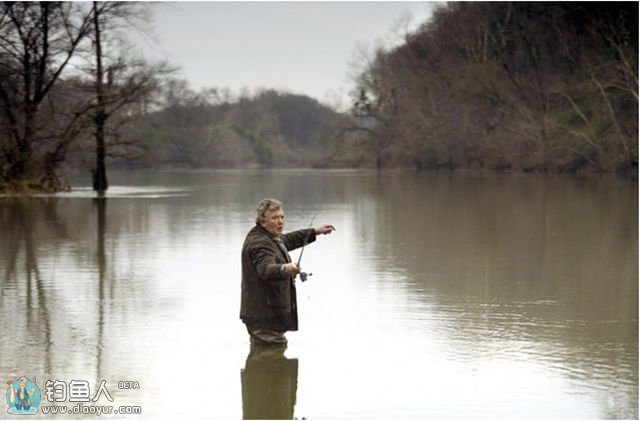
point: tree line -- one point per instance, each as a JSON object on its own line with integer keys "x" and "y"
{"x": 75, "y": 94}
{"x": 525, "y": 86}
{"x": 521, "y": 86}
{"x": 216, "y": 128}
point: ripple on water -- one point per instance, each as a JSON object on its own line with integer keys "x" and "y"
{"x": 119, "y": 192}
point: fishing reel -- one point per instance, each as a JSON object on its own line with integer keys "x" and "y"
{"x": 304, "y": 276}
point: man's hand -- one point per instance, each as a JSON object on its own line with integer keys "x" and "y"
{"x": 290, "y": 269}
{"x": 325, "y": 229}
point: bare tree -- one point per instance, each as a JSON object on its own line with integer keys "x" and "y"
{"x": 120, "y": 81}
{"x": 45, "y": 105}
{"x": 100, "y": 183}
{"x": 37, "y": 42}
{"x": 508, "y": 85}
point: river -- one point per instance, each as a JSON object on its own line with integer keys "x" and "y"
{"x": 440, "y": 295}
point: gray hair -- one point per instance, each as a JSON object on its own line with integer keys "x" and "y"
{"x": 264, "y": 206}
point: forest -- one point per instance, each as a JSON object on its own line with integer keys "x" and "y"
{"x": 506, "y": 86}
{"x": 214, "y": 129}
{"x": 519, "y": 86}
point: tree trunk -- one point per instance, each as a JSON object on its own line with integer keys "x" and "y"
{"x": 100, "y": 173}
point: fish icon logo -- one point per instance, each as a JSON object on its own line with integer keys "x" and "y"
{"x": 23, "y": 397}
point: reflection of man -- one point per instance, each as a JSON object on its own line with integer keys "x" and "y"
{"x": 269, "y": 384}
{"x": 268, "y": 305}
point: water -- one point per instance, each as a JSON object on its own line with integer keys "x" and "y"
{"x": 439, "y": 296}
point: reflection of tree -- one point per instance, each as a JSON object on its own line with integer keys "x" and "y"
{"x": 19, "y": 223}
{"x": 57, "y": 291}
{"x": 496, "y": 237}
{"x": 545, "y": 263}
{"x": 101, "y": 205}
{"x": 269, "y": 384}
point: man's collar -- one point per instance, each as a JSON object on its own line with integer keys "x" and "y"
{"x": 264, "y": 230}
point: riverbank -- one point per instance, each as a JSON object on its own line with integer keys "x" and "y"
{"x": 27, "y": 187}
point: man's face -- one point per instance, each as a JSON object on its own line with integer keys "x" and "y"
{"x": 274, "y": 221}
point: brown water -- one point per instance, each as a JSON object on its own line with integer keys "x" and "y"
{"x": 439, "y": 296}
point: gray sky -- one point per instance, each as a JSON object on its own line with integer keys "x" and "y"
{"x": 300, "y": 47}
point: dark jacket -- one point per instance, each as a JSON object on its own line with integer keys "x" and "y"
{"x": 269, "y": 295}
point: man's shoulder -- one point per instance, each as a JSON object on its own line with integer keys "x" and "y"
{"x": 257, "y": 232}
{"x": 255, "y": 236}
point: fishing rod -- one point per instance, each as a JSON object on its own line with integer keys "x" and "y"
{"x": 305, "y": 275}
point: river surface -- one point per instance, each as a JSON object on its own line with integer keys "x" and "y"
{"x": 439, "y": 296}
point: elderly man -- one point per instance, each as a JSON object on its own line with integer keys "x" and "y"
{"x": 269, "y": 306}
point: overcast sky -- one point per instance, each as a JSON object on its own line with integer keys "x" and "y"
{"x": 300, "y": 47}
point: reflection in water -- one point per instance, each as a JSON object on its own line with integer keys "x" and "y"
{"x": 22, "y": 292}
{"x": 68, "y": 308}
{"x": 495, "y": 296}
{"x": 525, "y": 269}
{"x": 100, "y": 204}
{"x": 269, "y": 384}
{"x": 31, "y": 308}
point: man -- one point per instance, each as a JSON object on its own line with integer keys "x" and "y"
{"x": 268, "y": 305}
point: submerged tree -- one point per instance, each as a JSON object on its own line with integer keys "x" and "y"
{"x": 100, "y": 173}
{"x": 121, "y": 81}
